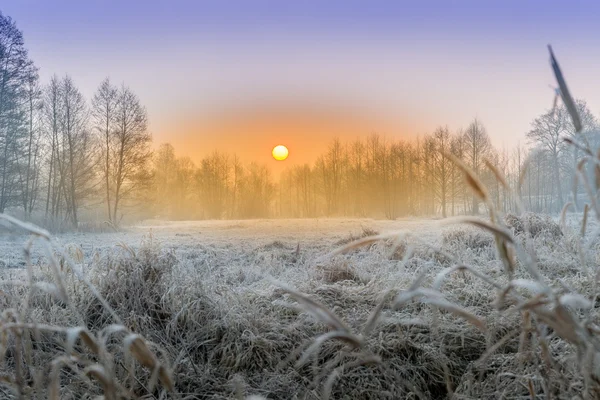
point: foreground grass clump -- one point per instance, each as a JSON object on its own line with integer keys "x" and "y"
{"x": 48, "y": 350}
{"x": 472, "y": 238}
{"x": 533, "y": 224}
{"x": 222, "y": 341}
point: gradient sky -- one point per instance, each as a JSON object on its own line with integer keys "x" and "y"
{"x": 243, "y": 76}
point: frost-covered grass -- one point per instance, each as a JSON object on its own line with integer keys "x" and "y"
{"x": 229, "y": 309}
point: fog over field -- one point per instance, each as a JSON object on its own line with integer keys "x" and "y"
{"x": 231, "y": 236}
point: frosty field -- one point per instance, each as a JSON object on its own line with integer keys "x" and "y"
{"x": 208, "y": 298}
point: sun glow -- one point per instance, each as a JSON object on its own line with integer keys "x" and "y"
{"x": 280, "y": 152}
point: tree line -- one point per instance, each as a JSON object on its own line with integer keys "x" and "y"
{"x": 378, "y": 177}
{"x": 386, "y": 178}
{"x": 65, "y": 159}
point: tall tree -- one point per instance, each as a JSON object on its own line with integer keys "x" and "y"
{"x": 131, "y": 148}
{"x": 331, "y": 166}
{"x": 589, "y": 136}
{"x": 442, "y": 172}
{"x": 50, "y": 123}
{"x": 16, "y": 70}
{"x": 78, "y": 158}
{"x": 547, "y": 130}
{"x": 212, "y": 182}
{"x": 476, "y": 147}
{"x": 30, "y": 181}
{"x": 104, "y": 113}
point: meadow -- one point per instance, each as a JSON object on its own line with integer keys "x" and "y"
{"x": 411, "y": 308}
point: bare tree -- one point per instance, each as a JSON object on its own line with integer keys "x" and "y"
{"x": 442, "y": 171}
{"x": 104, "y": 107}
{"x": 331, "y": 166}
{"x": 131, "y": 148}
{"x": 29, "y": 191}
{"x": 476, "y": 146}
{"x": 78, "y": 160}
{"x": 16, "y": 70}
{"x": 212, "y": 182}
{"x": 51, "y": 121}
{"x": 547, "y": 130}
{"x": 589, "y": 136}
{"x": 457, "y": 188}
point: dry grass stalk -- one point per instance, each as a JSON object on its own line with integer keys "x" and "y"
{"x": 91, "y": 362}
{"x": 472, "y": 179}
{"x": 495, "y": 229}
{"x": 497, "y": 174}
{"x": 564, "y": 92}
{"x": 586, "y": 209}
{"x": 563, "y": 214}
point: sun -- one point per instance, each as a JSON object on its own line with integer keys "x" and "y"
{"x": 280, "y": 152}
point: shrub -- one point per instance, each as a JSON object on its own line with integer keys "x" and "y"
{"x": 472, "y": 238}
{"x": 337, "y": 271}
{"x": 534, "y": 224}
{"x": 365, "y": 232}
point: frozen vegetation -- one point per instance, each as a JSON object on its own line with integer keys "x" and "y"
{"x": 225, "y": 310}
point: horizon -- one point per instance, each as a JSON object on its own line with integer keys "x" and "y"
{"x": 207, "y": 72}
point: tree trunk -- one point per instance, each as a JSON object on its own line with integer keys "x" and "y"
{"x": 106, "y": 132}
{"x": 557, "y": 181}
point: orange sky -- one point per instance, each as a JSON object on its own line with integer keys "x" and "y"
{"x": 251, "y": 132}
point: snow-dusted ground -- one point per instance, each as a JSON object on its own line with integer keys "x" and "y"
{"x": 222, "y": 280}
{"x": 233, "y": 237}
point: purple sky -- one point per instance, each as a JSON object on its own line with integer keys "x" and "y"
{"x": 421, "y": 63}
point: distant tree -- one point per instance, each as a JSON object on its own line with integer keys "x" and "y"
{"x": 457, "y": 187}
{"x": 184, "y": 183}
{"x": 50, "y": 125}
{"x": 476, "y": 147}
{"x": 442, "y": 171}
{"x": 212, "y": 183}
{"x": 78, "y": 159}
{"x": 165, "y": 176}
{"x": 356, "y": 178}
{"x": 331, "y": 166}
{"x": 548, "y": 130}
{"x": 427, "y": 161}
{"x": 16, "y": 72}
{"x": 30, "y": 181}
{"x": 237, "y": 170}
{"x": 589, "y": 136}
{"x": 396, "y": 169}
{"x": 104, "y": 113}
{"x": 258, "y": 192}
{"x": 305, "y": 183}
{"x": 131, "y": 149}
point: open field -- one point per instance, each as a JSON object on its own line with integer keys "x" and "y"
{"x": 207, "y": 296}
{"x": 317, "y": 236}
{"x": 221, "y": 242}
